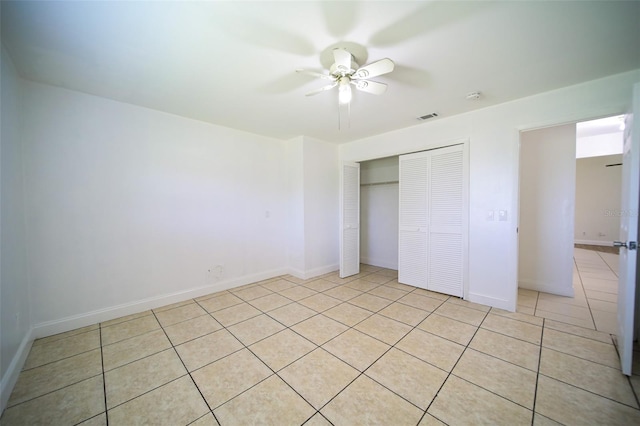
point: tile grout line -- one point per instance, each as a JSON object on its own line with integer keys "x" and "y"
{"x": 585, "y": 295}
{"x": 633, "y": 391}
{"x": 442, "y": 302}
{"x": 58, "y": 360}
{"x": 535, "y": 305}
{"x": 535, "y": 392}
{"x": 362, "y": 373}
{"x": 320, "y": 347}
{"x": 509, "y": 362}
{"x": 186, "y": 369}
{"x": 607, "y": 263}
{"x": 454, "y": 366}
{"x": 104, "y": 377}
{"x": 590, "y": 392}
{"x": 274, "y": 373}
{"x": 145, "y": 357}
{"x": 411, "y": 355}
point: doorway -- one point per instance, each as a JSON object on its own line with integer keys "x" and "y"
{"x": 568, "y": 199}
{"x": 379, "y": 183}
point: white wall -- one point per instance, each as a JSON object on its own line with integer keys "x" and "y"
{"x": 598, "y": 190}
{"x": 128, "y": 208}
{"x": 295, "y": 216}
{"x": 547, "y": 209}
{"x": 321, "y": 207}
{"x": 493, "y": 134}
{"x": 312, "y": 225}
{"x": 15, "y": 315}
{"x": 380, "y": 170}
{"x": 599, "y": 145}
{"x": 379, "y": 212}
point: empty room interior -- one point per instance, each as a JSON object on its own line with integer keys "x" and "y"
{"x": 319, "y": 213}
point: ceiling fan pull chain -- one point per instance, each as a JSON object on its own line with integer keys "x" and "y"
{"x": 339, "y": 114}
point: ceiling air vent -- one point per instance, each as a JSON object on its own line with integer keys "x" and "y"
{"x": 428, "y": 116}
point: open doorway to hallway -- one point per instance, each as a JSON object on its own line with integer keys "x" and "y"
{"x": 570, "y": 193}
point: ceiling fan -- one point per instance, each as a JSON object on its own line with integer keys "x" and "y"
{"x": 345, "y": 72}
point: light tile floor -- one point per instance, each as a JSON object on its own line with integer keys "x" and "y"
{"x": 362, "y": 350}
{"x": 594, "y": 306}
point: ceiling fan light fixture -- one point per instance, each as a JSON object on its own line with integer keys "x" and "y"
{"x": 344, "y": 91}
{"x": 345, "y": 72}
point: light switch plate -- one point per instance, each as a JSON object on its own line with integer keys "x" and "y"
{"x": 502, "y": 215}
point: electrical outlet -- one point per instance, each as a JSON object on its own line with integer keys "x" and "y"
{"x": 215, "y": 274}
{"x": 219, "y": 272}
{"x": 502, "y": 215}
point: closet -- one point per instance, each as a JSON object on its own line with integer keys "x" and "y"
{"x": 429, "y": 213}
{"x": 379, "y": 212}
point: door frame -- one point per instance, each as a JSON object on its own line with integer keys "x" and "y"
{"x": 516, "y": 176}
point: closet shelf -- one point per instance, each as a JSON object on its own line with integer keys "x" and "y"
{"x": 380, "y": 183}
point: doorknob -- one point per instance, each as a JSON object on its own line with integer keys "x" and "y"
{"x": 631, "y": 245}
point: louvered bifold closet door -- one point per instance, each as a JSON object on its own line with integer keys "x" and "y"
{"x": 446, "y": 220}
{"x": 350, "y": 219}
{"x": 413, "y": 219}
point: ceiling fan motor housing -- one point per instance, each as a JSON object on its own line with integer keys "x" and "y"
{"x": 338, "y": 71}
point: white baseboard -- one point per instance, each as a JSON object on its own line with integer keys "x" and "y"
{"x": 312, "y": 273}
{"x": 49, "y": 328}
{"x": 382, "y": 263}
{"x": 297, "y": 273}
{"x": 15, "y": 367}
{"x": 594, "y": 243}
{"x": 316, "y": 272}
{"x": 492, "y": 301}
{"x": 557, "y": 289}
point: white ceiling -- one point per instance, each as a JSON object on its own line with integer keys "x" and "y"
{"x": 232, "y": 63}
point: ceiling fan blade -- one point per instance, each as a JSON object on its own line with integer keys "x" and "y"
{"x": 374, "y": 69}
{"x": 322, "y": 89}
{"x": 372, "y": 87}
{"x": 343, "y": 59}
{"x": 315, "y": 74}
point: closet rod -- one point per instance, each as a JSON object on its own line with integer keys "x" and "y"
{"x": 380, "y": 183}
